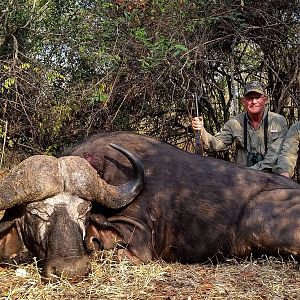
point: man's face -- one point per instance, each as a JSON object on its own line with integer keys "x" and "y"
{"x": 254, "y": 102}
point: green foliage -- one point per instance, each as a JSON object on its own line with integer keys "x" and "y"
{"x": 101, "y": 94}
{"x": 53, "y": 76}
{"x": 72, "y": 68}
{"x": 158, "y": 48}
{"x": 8, "y": 84}
{"x": 180, "y": 49}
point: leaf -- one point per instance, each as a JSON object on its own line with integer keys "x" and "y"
{"x": 25, "y": 66}
{"x": 181, "y": 47}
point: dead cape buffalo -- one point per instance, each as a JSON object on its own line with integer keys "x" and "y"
{"x": 190, "y": 209}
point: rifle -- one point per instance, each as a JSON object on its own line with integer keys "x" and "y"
{"x": 199, "y": 145}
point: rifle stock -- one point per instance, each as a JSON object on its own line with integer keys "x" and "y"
{"x": 199, "y": 146}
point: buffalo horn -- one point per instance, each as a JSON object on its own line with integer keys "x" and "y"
{"x": 35, "y": 178}
{"x": 40, "y": 177}
{"x": 128, "y": 191}
{"x": 83, "y": 180}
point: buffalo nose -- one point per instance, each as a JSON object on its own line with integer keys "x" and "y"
{"x": 71, "y": 268}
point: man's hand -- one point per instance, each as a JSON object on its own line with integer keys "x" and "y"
{"x": 198, "y": 124}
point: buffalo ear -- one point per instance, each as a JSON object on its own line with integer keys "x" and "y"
{"x": 11, "y": 244}
{"x": 101, "y": 234}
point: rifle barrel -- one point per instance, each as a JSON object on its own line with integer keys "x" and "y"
{"x": 199, "y": 146}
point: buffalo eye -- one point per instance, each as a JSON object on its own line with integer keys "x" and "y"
{"x": 83, "y": 209}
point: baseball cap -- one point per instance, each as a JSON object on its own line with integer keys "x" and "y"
{"x": 254, "y": 86}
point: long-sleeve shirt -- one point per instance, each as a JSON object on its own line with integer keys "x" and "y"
{"x": 233, "y": 132}
{"x": 287, "y": 159}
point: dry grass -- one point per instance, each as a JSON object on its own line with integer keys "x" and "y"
{"x": 259, "y": 279}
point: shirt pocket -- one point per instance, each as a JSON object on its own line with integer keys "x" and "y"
{"x": 273, "y": 134}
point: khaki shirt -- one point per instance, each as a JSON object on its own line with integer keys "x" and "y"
{"x": 233, "y": 132}
{"x": 287, "y": 159}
